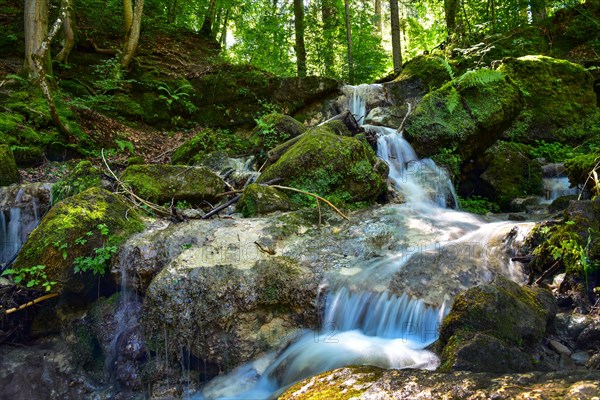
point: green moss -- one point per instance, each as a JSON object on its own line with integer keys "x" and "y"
{"x": 164, "y": 183}
{"x": 53, "y": 242}
{"x": 260, "y": 200}
{"x": 203, "y": 142}
{"x": 429, "y": 70}
{"x": 271, "y": 130}
{"x": 336, "y": 167}
{"x": 9, "y": 173}
{"x": 81, "y": 178}
{"x": 579, "y": 168}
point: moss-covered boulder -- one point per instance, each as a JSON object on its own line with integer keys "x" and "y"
{"x": 578, "y": 169}
{"x": 224, "y": 312}
{"x": 505, "y": 314}
{"x": 260, "y": 200}
{"x": 343, "y": 169}
{"x": 465, "y": 118}
{"x": 271, "y": 130}
{"x": 428, "y": 71}
{"x": 164, "y": 183}
{"x": 203, "y": 142}
{"x": 9, "y": 173}
{"x": 510, "y": 174}
{"x": 557, "y": 94}
{"x": 70, "y": 230}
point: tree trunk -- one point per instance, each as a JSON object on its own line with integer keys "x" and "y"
{"x": 223, "y": 38}
{"x": 450, "y": 9}
{"x": 538, "y": 10}
{"x": 299, "y": 30}
{"x": 127, "y": 17}
{"x": 209, "y": 18}
{"x": 36, "y": 27}
{"x": 172, "y": 13}
{"x": 328, "y": 15}
{"x": 134, "y": 34}
{"x": 38, "y": 58}
{"x": 396, "y": 49}
{"x": 349, "y": 42}
{"x": 68, "y": 31}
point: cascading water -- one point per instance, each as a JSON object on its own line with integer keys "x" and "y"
{"x": 368, "y": 318}
{"x": 21, "y": 208}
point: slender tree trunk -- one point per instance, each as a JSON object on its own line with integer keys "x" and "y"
{"x": 223, "y": 38}
{"x": 68, "y": 32}
{"x": 349, "y": 42}
{"x": 538, "y": 10}
{"x": 378, "y": 20}
{"x": 127, "y": 17}
{"x": 38, "y": 58}
{"x": 450, "y": 9}
{"x": 209, "y": 18}
{"x": 396, "y": 45}
{"x": 36, "y": 27}
{"x": 299, "y": 30}
{"x": 328, "y": 15}
{"x": 134, "y": 34}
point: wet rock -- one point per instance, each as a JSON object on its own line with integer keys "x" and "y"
{"x": 515, "y": 316}
{"x": 594, "y": 362}
{"x": 580, "y": 357}
{"x": 559, "y": 347}
{"x": 9, "y": 173}
{"x": 375, "y": 383}
{"x": 589, "y": 338}
{"x": 165, "y": 183}
{"x": 577, "y": 323}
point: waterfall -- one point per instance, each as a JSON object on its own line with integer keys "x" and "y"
{"x": 21, "y": 207}
{"x": 421, "y": 181}
{"x": 556, "y": 187}
{"x": 360, "y": 328}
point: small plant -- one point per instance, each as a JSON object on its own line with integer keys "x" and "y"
{"x": 96, "y": 263}
{"x": 179, "y": 95}
{"x": 551, "y": 152}
{"x": 31, "y": 276}
{"x": 478, "y": 205}
{"x": 125, "y": 145}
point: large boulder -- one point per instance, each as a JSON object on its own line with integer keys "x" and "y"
{"x": 464, "y": 118}
{"x": 375, "y": 383}
{"x": 71, "y": 230}
{"x": 271, "y": 130}
{"x": 343, "y": 169}
{"x": 260, "y": 200}
{"x": 9, "y": 173}
{"x": 557, "y": 94}
{"x": 494, "y": 316}
{"x": 228, "y": 312}
{"x": 164, "y": 183}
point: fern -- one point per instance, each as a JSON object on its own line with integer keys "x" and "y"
{"x": 479, "y": 78}
{"x": 452, "y": 100}
{"x": 447, "y": 66}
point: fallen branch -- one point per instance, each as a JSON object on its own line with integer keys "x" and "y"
{"x": 547, "y": 273}
{"x": 154, "y": 207}
{"x": 222, "y": 207}
{"x": 31, "y": 303}
{"x": 312, "y": 195}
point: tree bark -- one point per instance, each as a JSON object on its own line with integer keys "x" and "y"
{"x": 450, "y": 9}
{"x": 223, "y": 38}
{"x": 209, "y": 18}
{"x": 68, "y": 32}
{"x": 134, "y": 34}
{"x": 172, "y": 13}
{"x": 396, "y": 45}
{"x": 349, "y": 42}
{"x": 299, "y": 33}
{"x": 328, "y": 15}
{"x": 378, "y": 20}
{"x": 36, "y": 27}
{"x": 127, "y": 17}
{"x": 538, "y": 10}
{"x": 38, "y": 58}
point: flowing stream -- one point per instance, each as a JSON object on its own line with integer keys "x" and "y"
{"x": 368, "y": 319}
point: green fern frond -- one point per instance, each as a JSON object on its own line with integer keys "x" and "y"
{"x": 447, "y": 66}
{"x": 452, "y": 100}
{"x": 479, "y": 78}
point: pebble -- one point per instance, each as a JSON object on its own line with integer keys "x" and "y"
{"x": 580, "y": 358}
{"x": 559, "y": 347}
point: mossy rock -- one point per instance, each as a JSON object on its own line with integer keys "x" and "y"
{"x": 202, "y": 143}
{"x": 517, "y": 316}
{"x": 342, "y": 169}
{"x": 579, "y": 167}
{"x": 27, "y": 155}
{"x": 271, "y": 130}
{"x": 164, "y": 183}
{"x": 54, "y": 243}
{"x": 260, "y": 200}
{"x": 557, "y": 94}
{"x": 510, "y": 174}
{"x": 480, "y": 116}
{"x": 9, "y": 173}
{"x": 427, "y": 70}
{"x": 81, "y": 178}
